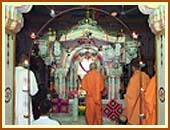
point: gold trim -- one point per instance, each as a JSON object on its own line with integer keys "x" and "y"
{"x": 9, "y": 32}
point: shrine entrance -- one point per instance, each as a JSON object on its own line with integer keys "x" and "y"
{"x": 82, "y": 57}
{"x": 71, "y": 55}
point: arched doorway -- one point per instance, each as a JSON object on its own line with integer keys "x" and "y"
{"x": 78, "y": 63}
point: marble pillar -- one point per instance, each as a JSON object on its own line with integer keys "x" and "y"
{"x": 75, "y": 108}
{"x": 113, "y": 87}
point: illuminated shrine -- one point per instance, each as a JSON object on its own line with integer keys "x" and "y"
{"x": 65, "y": 56}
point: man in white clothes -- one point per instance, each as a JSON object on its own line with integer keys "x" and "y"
{"x": 45, "y": 107}
{"x": 23, "y": 92}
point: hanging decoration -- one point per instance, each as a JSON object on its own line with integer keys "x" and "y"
{"x": 156, "y": 16}
{"x": 88, "y": 29}
{"x": 13, "y": 19}
{"x": 157, "y": 20}
{"x": 33, "y": 36}
{"x": 8, "y": 50}
{"x": 161, "y": 52}
{"x": 145, "y": 9}
{"x": 23, "y": 8}
{"x": 52, "y": 13}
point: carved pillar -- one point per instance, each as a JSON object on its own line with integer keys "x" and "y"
{"x": 56, "y": 83}
{"x": 113, "y": 87}
{"x": 60, "y": 85}
{"x": 71, "y": 79}
{"x": 109, "y": 87}
{"x": 63, "y": 87}
{"x": 117, "y": 87}
{"x": 75, "y": 108}
{"x": 67, "y": 84}
{"x": 74, "y": 78}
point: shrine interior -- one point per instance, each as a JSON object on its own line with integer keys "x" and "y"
{"x": 61, "y": 42}
{"x": 61, "y": 54}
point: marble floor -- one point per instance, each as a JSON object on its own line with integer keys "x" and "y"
{"x": 65, "y": 120}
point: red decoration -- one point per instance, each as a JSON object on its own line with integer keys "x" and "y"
{"x": 60, "y": 105}
{"x": 100, "y": 48}
{"x": 72, "y": 93}
{"x": 99, "y": 57}
{"x": 75, "y": 57}
{"x": 104, "y": 92}
{"x": 112, "y": 110}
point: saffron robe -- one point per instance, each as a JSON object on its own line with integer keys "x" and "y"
{"x": 150, "y": 101}
{"x": 133, "y": 99}
{"x": 21, "y": 95}
{"x": 93, "y": 84}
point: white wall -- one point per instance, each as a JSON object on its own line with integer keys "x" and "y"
{"x": 161, "y": 78}
{"x": 9, "y": 77}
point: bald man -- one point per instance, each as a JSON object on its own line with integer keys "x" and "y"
{"x": 93, "y": 84}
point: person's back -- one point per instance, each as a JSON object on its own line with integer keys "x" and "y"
{"x": 93, "y": 84}
{"x": 23, "y": 92}
{"x": 45, "y": 107}
{"x": 134, "y": 104}
{"x": 150, "y": 102}
{"x": 45, "y": 120}
{"x": 94, "y": 81}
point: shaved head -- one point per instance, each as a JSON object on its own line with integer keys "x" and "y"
{"x": 93, "y": 66}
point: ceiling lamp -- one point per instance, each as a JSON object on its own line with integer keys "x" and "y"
{"x": 33, "y": 36}
{"x": 14, "y": 20}
{"x": 114, "y": 14}
{"x": 135, "y": 35}
{"x": 52, "y": 13}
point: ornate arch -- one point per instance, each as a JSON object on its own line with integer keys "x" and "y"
{"x": 69, "y": 56}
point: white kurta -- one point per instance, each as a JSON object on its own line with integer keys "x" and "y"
{"x": 45, "y": 120}
{"x": 21, "y": 94}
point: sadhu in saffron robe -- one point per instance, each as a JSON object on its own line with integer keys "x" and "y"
{"x": 150, "y": 101}
{"x": 93, "y": 84}
{"x": 134, "y": 100}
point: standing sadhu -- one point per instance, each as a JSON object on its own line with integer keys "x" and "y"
{"x": 93, "y": 84}
{"x": 150, "y": 102}
{"x": 134, "y": 98}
